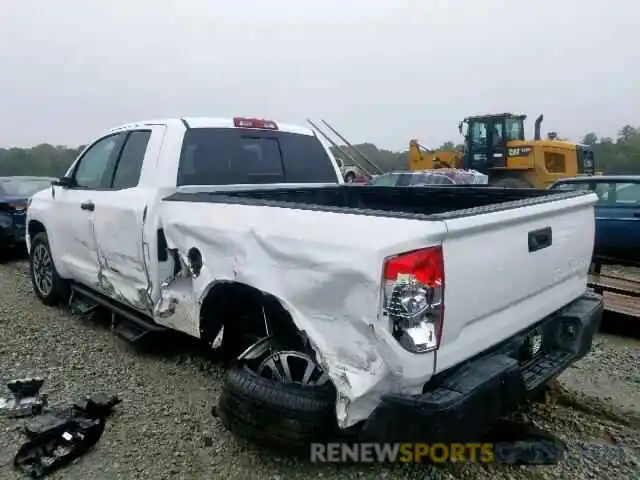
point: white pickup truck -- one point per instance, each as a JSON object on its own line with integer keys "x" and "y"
{"x": 397, "y": 313}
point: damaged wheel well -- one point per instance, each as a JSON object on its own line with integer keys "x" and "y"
{"x": 35, "y": 227}
{"x": 246, "y": 314}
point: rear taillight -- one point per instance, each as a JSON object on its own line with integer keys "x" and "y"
{"x": 242, "y": 122}
{"x": 413, "y": 298}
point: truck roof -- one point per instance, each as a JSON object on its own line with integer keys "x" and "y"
{"x": 207, "y": 122}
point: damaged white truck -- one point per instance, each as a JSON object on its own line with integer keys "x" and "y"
{"x": 395, "y": 313}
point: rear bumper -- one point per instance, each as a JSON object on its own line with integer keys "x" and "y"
{"x": 459, "y": 404}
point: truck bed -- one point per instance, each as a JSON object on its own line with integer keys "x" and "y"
{"x": 511, "y": 257}
{"x": 428, "y": 203}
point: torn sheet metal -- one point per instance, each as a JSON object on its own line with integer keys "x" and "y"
{"x": 330, "y": 283}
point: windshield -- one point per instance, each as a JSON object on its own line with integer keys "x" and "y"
{"x": 232, "y": 156}
{"x": 23, "y": 188}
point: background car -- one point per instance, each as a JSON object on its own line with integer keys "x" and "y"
{"x": 617, "y": 215}
{"x": 441, "y": 176}
{"x": 14, "y": 198}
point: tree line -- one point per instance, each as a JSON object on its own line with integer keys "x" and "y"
{"x": 613, "y": 155}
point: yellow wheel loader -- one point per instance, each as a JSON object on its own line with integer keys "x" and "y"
{"x": 496, "y": 146}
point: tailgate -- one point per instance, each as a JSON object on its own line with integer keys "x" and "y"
{"x": 508, "y": 269}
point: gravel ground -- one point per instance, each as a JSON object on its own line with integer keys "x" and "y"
{"x": 164, "y": 428}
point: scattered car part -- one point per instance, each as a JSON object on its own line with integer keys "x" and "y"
{"x": 43, "y": 423}
{"x": 27, "y": 387}
{"x": 95, "y": 406}
{"x": 58, "y": 446}
{"x": 59, "y": 436}
{"x": 25, "y": 399}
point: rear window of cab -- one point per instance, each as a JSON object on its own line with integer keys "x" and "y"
{"x": 231, "y": 156}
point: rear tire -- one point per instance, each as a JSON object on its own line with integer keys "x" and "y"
{"x": 510, "y": 182}
{"x": 47, "y": 284}
{"x": 276, "y": 414}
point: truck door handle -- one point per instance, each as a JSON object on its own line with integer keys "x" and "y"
{"x": 539, "y": 239}
{"x": 88, "y": 205}
{"x": 637, "y": 215}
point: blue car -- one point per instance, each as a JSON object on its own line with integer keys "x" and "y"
{"x": 14, "y": 197}
{"x": 617, "y": 215}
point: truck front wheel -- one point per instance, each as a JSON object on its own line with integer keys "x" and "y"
{"x": 282, "y": 399}
{"x": 47, "y": 284}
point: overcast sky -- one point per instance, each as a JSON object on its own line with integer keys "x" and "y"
{"x": 380, "y": 70}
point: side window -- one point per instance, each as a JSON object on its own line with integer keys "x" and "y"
{"x": 603, "y": 190}
{"x": 515, "y": 130}
{"x": 627, "y": 194}
{"x": 129, "y": 165}
{"x": 498, "y": 133}
{"x": 618, "y": 194}
{"x": 94, "y": 169}
{"x": 555, "y": 162}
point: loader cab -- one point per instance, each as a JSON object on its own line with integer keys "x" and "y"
{"x": 486, "y": 138}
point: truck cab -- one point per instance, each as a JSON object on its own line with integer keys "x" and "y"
{"x": 487, "y": 138}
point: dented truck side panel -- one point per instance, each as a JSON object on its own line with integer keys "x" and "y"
{"x": 329, "y": 284}
{"x": 119, "y": 234}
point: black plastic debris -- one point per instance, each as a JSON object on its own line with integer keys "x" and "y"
{"x": 59, "y": 436}
{"x": 25, "y": 398}
{"x": 96, "y": 406}
{"x": 43, "y": 423}
{"x": 519, "y": 443}
{"x": 58, "y": 446}
{"x": 99, "y": 405}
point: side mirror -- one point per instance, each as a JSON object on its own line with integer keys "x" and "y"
{"x": 64, "y": 182}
